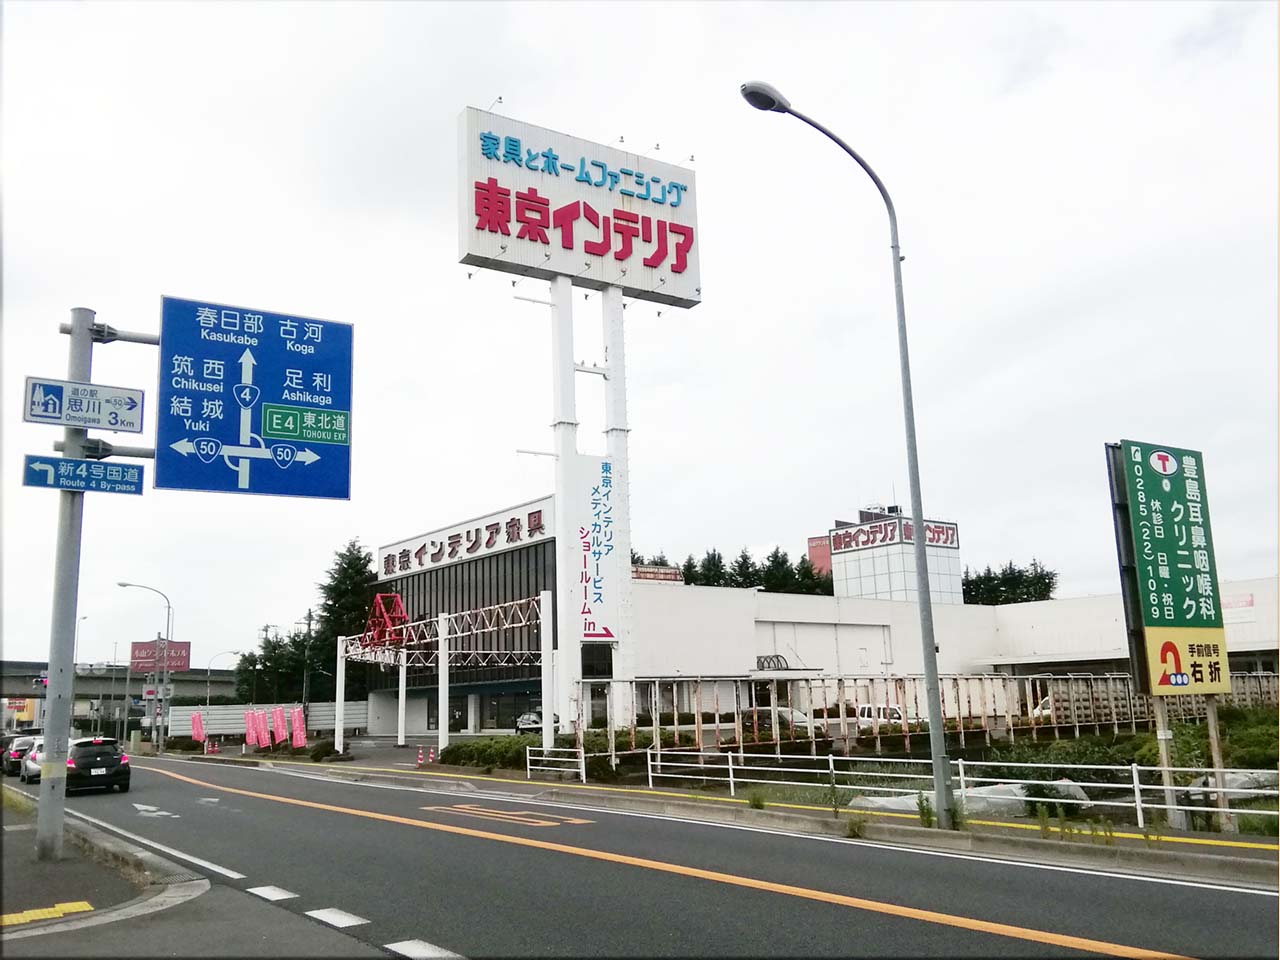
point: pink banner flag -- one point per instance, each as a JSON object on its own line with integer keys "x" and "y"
{"x": 299, "y": 723}
{"x": 278, "y": 727}
{"x": 250, "y": 729}
{"x": 264, "y": 735}
{"x": 197, "y": 726}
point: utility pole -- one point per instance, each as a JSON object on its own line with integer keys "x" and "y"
{"x": 306, "y": 664}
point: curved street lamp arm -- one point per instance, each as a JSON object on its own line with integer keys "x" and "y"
{"x": 888, "y": 202}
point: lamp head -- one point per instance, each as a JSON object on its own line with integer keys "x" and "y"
{"x": 764, "y": 96}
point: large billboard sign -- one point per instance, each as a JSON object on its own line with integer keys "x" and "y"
{"x": 1176, "y": 590}
{"x": 508, "y": 529}
{"x": 539, "y": 203}
{"x": 144, "y": 656}
{"x": 879, "y": 533}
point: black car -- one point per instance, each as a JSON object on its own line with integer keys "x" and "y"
{"x": 97, "y": 762}
{"x": 14, "y": 751}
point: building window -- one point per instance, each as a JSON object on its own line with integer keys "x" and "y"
{"x": 597, "y": 661}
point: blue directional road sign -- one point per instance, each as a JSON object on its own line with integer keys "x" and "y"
{"x": 63, "y": 473}
{"x": 253, "y": 402}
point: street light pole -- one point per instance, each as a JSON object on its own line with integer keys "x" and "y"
{"x": 162, "y": 670}
{"x": 762, "y": 96}
{"x": 208, "y": 675}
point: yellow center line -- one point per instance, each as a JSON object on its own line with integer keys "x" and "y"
{"x": 805, "y": 893}
{"x": 640, "y": 791}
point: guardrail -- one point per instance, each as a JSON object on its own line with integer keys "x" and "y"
{"x": 567, "y": 758}
{"x": 1133, "y": 786}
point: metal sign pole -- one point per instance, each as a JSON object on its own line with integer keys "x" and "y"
{"x": 1164, "y": 736}
{"x": 1226, "y": 820}
{"x": 565, "y": 429}
{"x": 66, "y": 589}
{"x": 546, "y": 633}
{"x": 442, "y": 675}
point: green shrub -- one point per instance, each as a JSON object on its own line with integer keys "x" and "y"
{"x": 854, "y": 827}
{"x": 1042, "y": 816}
{"x": 322, "y": 749}
{"x": 924, "y": 807}
{"x": 755, "y": 800}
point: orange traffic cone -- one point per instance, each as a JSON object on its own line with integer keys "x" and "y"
{"x": 419, "y": 754}
{"x": 431, "y": 757}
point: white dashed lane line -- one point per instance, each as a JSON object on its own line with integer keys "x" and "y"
{"x": 336, "y": 918}
{"x": 272, "y": 893}
{"x": 421, "y": 950}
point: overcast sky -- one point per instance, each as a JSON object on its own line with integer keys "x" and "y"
{"x": 1087, "y": 196}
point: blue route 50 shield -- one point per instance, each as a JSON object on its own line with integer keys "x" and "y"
{"x": 253, "y": 402}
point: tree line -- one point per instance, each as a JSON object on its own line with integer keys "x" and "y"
{"x": 776, "y": 574}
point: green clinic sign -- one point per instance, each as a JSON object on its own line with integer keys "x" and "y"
{"x": 1177, "y": 576}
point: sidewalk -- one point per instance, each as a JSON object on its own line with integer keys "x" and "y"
{"x": 36, "y": 891}
{"x": 80, "y": 907}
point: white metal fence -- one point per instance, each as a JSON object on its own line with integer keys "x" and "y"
{"x": 843, "y": 780}
{"x": 228, "y": 719}
{"x": 555, "y": 760}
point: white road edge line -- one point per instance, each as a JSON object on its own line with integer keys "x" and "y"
{"x": 421, "y": 950}
{"x": 946, "y": 854}
{"x": 231, "y": 874}
{"x": 336, "y": 918}
{"x": 272, "y": 893}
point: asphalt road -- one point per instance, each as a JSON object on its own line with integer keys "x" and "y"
{"x": 481, "y": 875}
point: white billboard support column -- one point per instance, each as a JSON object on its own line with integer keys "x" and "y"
{"x": 442, "y": 666}
{"x": 340, "y": 694}
{"x": 400, "y": 703}
{"x": 546, "y": 633}
{"x": 615, "y": 433}
{"x": 568, "y": 558}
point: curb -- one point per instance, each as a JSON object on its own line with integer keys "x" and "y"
{"x": 165, "y": 884}
{"x": 1204, "y": 866}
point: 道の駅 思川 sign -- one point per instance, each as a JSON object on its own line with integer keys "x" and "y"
{"x": 538, "y": 203}
{"x": 1177, "y": 577}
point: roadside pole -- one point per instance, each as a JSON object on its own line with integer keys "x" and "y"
{"x": 122, "y": 723}
{"x": 66, "y": 591}
{"x": 162, "y": 698}
{"x": 1225, "y": 819}
{"x": 442, "y": 673}
{"x": 1164, "y": 736}
{"x": 546, "y": 633}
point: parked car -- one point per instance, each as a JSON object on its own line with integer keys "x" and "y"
{"x": 532, "y": 722}
{"x": 789, "y": 720}
{"x": 29, "y": 771}
{"x": 14, "y": 751}
{"x": 869, "y": 716}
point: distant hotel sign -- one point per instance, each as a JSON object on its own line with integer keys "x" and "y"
{"x": 481, "y": 537}
{"x": 879, "y": 533}
{"x": 535, "y": 202}
{"x": 144, "y": 656}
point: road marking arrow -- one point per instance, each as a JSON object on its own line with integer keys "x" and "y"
{"x": 145, "y": 810}
{"x": 47, "y": 468}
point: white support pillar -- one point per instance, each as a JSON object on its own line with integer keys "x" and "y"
{"x": 615, "y": 433}
{"x": 404, "y": 683}
{"x": 546, "y": 633}
{"x": 442, "y": 666}
{"x": 340, "y": 695}
{"x": 564, "y": 426}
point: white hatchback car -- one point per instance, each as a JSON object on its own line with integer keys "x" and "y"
{"x": 29, "y": 772}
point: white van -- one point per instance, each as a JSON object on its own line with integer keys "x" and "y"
{"x": 883, "y": 714}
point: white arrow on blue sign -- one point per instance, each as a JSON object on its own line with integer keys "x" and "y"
{"x": 92, "y": 476}
{"x": 88, "y": 406}
{"x": 253, "y": 402}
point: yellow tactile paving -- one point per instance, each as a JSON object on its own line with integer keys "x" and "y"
{"x": 57, "y": 911}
